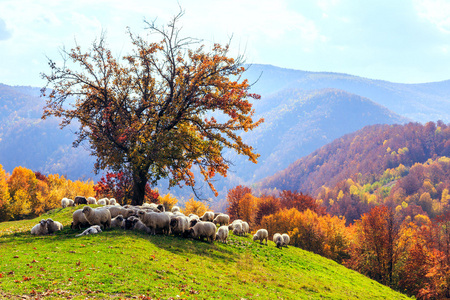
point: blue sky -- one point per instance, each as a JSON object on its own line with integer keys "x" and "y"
{"x": 400, "y": 41}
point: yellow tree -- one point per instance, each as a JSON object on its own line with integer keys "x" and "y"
{"x": 151, "y": 111}
{"x": 22, "y": 187}
{"x": 195, "y": 207}
{"x": 4, "y": 196}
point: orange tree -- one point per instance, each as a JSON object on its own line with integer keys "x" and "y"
{"x": 151, "y": 111}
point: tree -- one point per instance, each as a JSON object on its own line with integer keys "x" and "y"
{"x": 234, "y": 196}
{"x": 4, "y": 196}
{"x": 195, "y": 207}
{"x": 151, "y": 111}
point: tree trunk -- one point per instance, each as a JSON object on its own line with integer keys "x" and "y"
{"x": 139, "y": 183}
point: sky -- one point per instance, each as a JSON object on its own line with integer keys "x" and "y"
{"x": 404, "y": 41}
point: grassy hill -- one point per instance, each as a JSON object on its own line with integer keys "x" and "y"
{"x": 124, "y": 264}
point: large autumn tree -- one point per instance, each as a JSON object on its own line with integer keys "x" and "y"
{"x": 151, "y": 112}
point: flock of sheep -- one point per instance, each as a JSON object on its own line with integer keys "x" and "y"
{"x": 152, "y": 219}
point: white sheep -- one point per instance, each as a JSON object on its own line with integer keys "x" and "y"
{"x": 286, "y": 239}
{"x": 245, "y": 228}
{"x": 118, "y": 221}
{"x": 99, "y": 216}
{"x": 222, "y": 234}
{"x": 53, "y": 226}
{"x": 261, "y": 234}
{"x": 79, "y": 220}
{"x": 278, "y": 240}
{"x": 91, "y": 230}
{"x": 237, "y": 229}
{"x": 222, "y": 219}
{"x": 193, "y": 219}
{"x": 40, "y": 228}
{"x": 204, "y": 230}
{"x": 113, "y": 201}
{"x": 103, "y": 201}
{"x": 175, "y": 209}
{"x": 207, "y": 216}
{"x": 179, "y": 225}
{"x": 71, "y": 203}
{"x": 155, "y": 221}
{"x": 118, "y": 210}
{"x": 91, "y": 200}
{"x": 231, "y": 226}
{"x": 64, "y": 202}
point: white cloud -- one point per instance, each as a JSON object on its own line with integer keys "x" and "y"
{"x": 436, "y": 12}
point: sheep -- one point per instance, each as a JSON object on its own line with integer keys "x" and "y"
{"x": 118, "y": 221}
{"x": 80, "y": 200}
{"x": 193, "y": 219}
{"x": 99, "y": 216}
{"x": 91, "y": 200}
{"x": 278, "y": 240}
{"x": 222, "y": 234}
{"x": 155, "y": 221}
{"x": 136, "y": 224}
{"x": 207, "y": 216}
{"x": 118, "y": 210}
{"x": 231, "y": 226}
{"x": 261, "y": 234}
{"x": 79, "y": 220}
{"x": 175, "y": 209}
{"x": 71, "y": 203}
{"x": 286, "y": 239}
{"x": 203, "y": 230}
{"x": 91, "y": 230}
{"x": 40, "y": 228}
{"x": 245, "y": 228}
{"x": 53, "y": 226}
{"x": 113, "y": 201}
{"x": 222, "y": 219}
{"x": 179, "y": 225}
{"x": 64, "y": 202}
{"x": 155, "y": 207}
{"x": 237, "y": 229}
{"x": 102, "y": 201}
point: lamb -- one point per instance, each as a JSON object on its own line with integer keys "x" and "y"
{"x": 261, "y": 234}
{"x": 91, "y": 230}
{"x": 155, "y": 221}
{"x": 79, "y": 220}
{"x": 222, "y": 219}
{"x": 176, "y": 209}
{"x": 53, "y": 226}
{"x": 179, "y": 225}
{"x": 237, "y": 229}
{"x": 203, "y": 230}
{"x": 118, "y": 210}
{"x": 64, "y": 202}
{"x": 286, "y": 239}
{"x": 207, "y": 216}
{"x": 136, "y": 224}
{"x": 40, "y": 228}
{"x": 99, "y": 216}
{"x": 117, "y": 222}
{"x": 80, "y": 200}
{"x": 222, "y": 234}
{"x": 278, "y": 240}
{"x": 91, "y": 200}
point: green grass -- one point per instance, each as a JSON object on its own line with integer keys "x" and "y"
{"x": 126, "y": 264}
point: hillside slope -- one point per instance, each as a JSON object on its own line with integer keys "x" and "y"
{"x": 121, "y": 264}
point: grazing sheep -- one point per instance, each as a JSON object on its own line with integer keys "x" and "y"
{"x": 53, "y": 226}
{"x": 118, "y": 210}
{"x": 203, "y": 230}
{"x": 135, "y": 223}
{"x": 222, "y": 234}
{"x": 231, "y": 226}
{"x": 278, "y": 240}
{"x": 91, "y": 200}
{"x": 261, "y": 234}
{"x": 222, "y": 219}
{"x": 245, "y": 228}
{"x": 91, "y": 230}
{"x": 193, "y": 219}
{"x": 80, "y": 200}
{"x": 99, "y": 216}
{"x": 207, "y": 216}
{"x": 71, "y": 203}
{"x": 79, "y": 220}
{"x": 237, "y": 229}
{"x": 40, "y": 228}
{"x": 286, "y": 239}
{"x": 64, "y": 202}
{"x": 112, "y": 201}
{"x": 118, "y": 221}
{"x": 103, "y": 201}
{"x": 155, "y": 221}
{"x": 179, "y": 225}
